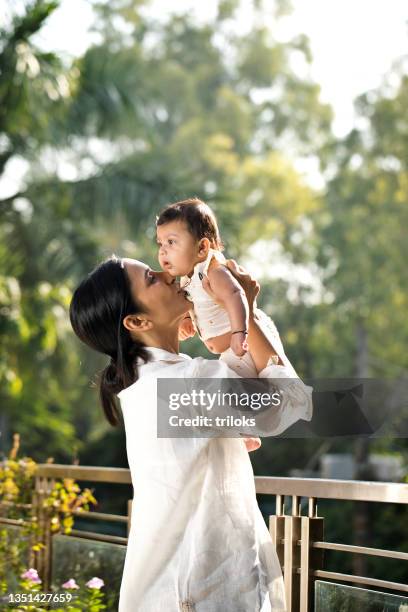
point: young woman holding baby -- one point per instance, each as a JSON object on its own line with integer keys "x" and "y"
{"x": 198, "y": 540}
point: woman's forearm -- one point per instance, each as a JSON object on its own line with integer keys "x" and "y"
{"x": 260, "y": 346}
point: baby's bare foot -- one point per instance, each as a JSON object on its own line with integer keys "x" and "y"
{"x": 252, "y": 444}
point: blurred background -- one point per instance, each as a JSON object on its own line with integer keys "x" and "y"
{"x": 289, "y": 119}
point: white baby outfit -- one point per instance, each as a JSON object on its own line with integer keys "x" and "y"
{"x": 211, "y": 320}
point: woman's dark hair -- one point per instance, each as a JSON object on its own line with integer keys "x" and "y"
{"x": 199, "y": 218}
{"x": 98, "y": 306}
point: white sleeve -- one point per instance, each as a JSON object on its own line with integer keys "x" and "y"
{"x": 296, "y": 401}
{"x": 296, "y": 397}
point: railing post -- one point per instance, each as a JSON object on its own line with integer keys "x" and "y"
{"x": 292, "y": 557}
{"x": 312, "y": 530}
{"x": 44, "y": 555}
{"x": 38, "y": 511}
{"x": 277, "y": 529}
{"x": 32, "y": 555}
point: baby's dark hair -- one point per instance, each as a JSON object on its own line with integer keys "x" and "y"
{"x": 199, "y": 218}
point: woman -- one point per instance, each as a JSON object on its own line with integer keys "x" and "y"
{"x": 197, "y": 539}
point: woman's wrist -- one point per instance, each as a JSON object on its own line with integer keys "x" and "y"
{"x": 253, "y": 316}
{"x": 252, "y": 308}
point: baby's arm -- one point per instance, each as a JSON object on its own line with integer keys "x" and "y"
{"x": 229, "y": 292}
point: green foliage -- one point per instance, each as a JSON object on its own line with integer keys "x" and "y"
{"x": 156, "y": 111}
{"x": 32, "y": 82}
{"x": 173, "y": 118}
{"x": 363, "y": 242}
{"x": 17, "y": 486}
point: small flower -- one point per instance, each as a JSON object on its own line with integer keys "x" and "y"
{"x": 32, "y": 575}
{"x": 95, "y": 583}
{"x": 70, "y": 584}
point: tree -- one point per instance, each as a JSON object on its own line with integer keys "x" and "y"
{"x": 142, "y": 124}
{"x": 364, "y": 248}
{"x": 36, "y": 389}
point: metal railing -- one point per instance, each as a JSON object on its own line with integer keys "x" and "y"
{"x": 298, "y": 538}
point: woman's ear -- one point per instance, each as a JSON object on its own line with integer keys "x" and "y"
{"x": 204, "y": 246}
{"x": 137, "y": 323}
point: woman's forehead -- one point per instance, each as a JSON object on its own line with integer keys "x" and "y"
{"x": 135, "y": 269}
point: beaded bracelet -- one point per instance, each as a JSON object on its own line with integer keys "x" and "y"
{"x": 240, "y": 331}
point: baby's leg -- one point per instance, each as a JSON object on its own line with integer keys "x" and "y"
{"x": 219, "y": 344}
{"x": 244, "y": 366}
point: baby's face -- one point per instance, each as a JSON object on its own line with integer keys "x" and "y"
{"x": 178, "y": 249}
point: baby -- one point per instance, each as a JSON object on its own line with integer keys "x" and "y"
{"x": 190, "y": 247}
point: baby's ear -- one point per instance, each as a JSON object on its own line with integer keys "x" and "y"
{"x": 204, "y": 246}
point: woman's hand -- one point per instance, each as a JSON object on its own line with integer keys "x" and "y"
{"x": 249, "y": 284}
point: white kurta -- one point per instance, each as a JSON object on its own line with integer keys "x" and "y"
{"x": 198, "y": 540}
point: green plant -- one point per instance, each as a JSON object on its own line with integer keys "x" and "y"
{"x": 90, "y": 598}
{"x": 17, "y": 482}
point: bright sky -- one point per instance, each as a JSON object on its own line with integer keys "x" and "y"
{"x": 354, "y": 42}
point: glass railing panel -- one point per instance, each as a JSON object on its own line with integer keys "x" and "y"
{"x": 82, "y": 559}
{"x": 332, "y": 596}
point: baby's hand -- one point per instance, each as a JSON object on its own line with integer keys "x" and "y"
{"x": 186, "y": 329}
{"x": 239, "y": 343}
{"x": 252, "y": 444}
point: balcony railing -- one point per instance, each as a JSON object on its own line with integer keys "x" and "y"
{"x": 299, "y": 539}
{"x": 298, "y": 536}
